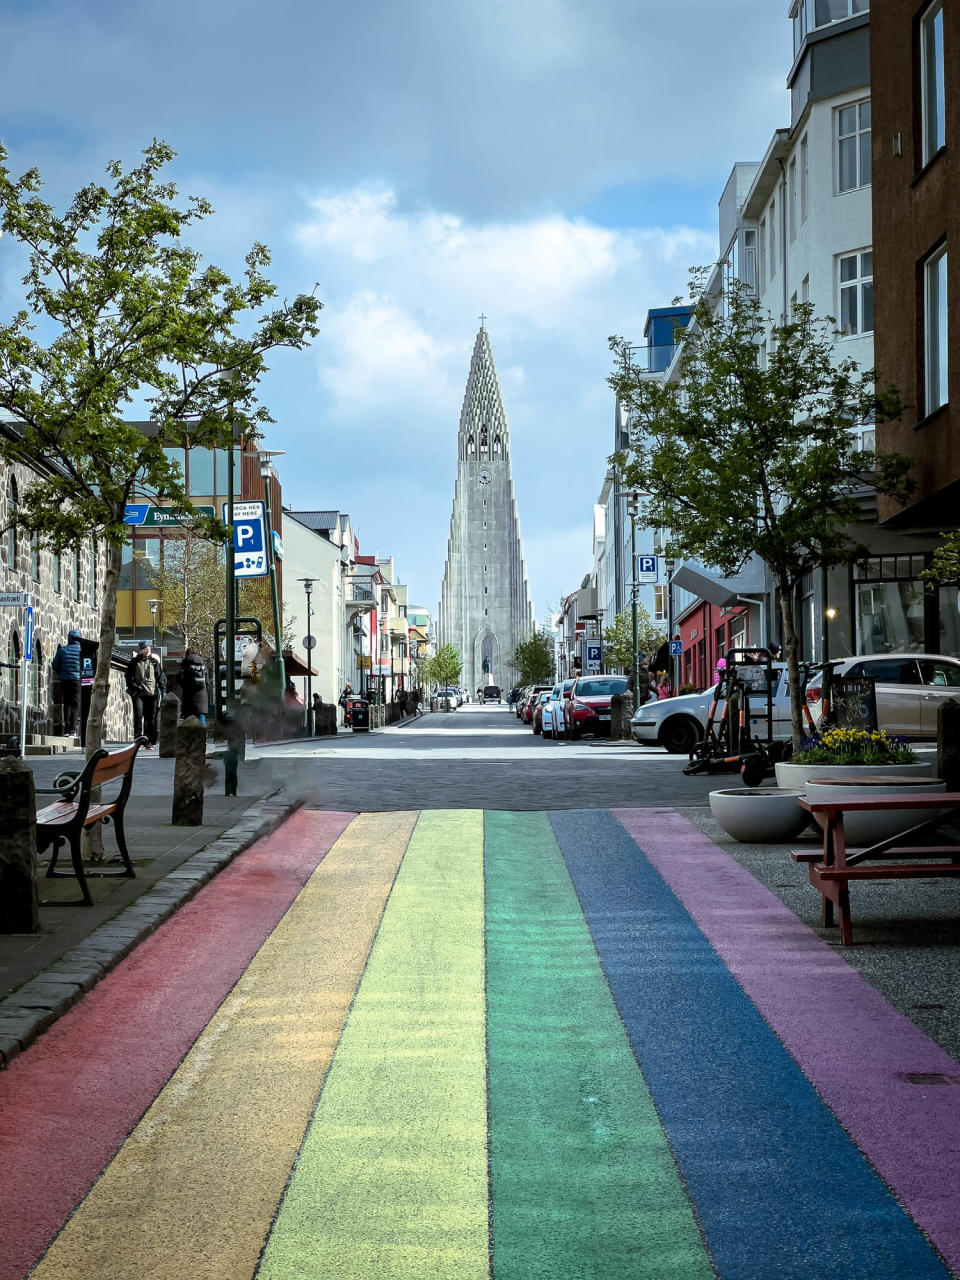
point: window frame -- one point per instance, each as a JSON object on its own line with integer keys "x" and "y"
{"x": 942, "y": 364}
{"x": 858, "y": 135}
{"x": 928, "y": 148}
{"x": 858, "y": 283}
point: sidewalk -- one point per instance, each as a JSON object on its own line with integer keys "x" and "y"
{"x": 42, "y": 974}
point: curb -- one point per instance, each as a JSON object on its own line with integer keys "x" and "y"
{"x": 35, "y": 1006}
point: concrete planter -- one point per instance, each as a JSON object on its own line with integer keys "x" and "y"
{"x": 759, "y": 815}
{"x": 862, "y": 829}
{"x": 795, "y": 776}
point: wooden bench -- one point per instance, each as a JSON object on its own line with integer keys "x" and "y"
{"x": 64, "y": 821}
{"x": 832, "y": 870}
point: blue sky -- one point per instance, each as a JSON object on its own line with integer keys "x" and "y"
{"x": 552, "y": 163}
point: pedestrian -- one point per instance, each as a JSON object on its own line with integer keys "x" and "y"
{"x": 776, "y": 650}
{"x": 643, "y": 680}
{"x": 344, "y": 701}
{"x": 663, "y": 686}
{"x": 68, "y": 666}
{"x": 194, "y": 695}
{"x": 145, "y": 685}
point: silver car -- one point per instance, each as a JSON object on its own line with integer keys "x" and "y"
{"x": 910, "y": 688}
{"x": 678, "y": 724}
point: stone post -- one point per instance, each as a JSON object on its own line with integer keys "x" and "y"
{"x": 626, "y": 715}
{"x": 167, "y": 722}
{"x": 188, "y": 774}
{"x": 948, "y": 743}
{"x": 19, "y": 900}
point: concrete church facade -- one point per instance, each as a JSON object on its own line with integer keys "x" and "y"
{"x": 485, "y": 607}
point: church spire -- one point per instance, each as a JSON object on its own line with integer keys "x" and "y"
{"x": 483, "y": 419}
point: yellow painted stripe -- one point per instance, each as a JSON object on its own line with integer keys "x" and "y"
{"x": 193, "y": 1191}
{"x": 392, "y": 1179}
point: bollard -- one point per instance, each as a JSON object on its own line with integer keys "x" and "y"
{"x": 188, "y": 774}
{"x": 167, "y": 721}
{"x": 19, "y": 900}
{"x": 948, "y": 743}
{"x": 626, "y": 715}
{"x": 616, "y": 706}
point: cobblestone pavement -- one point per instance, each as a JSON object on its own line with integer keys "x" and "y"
{"x": 479, "y": 758}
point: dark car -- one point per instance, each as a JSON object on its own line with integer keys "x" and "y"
{"x": 491, "y": 693}
{"x": 587, "y": 709}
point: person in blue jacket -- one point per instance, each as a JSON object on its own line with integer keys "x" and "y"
{"x": 68, "y": 666}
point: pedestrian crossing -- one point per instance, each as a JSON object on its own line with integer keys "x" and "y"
{"x": 466, "y": 1044}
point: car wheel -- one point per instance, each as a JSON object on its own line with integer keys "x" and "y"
{"x": 680, "y": 735}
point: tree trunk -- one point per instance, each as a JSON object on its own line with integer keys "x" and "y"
{"x": 793, "y": 661}
{"x": 99, "y": 694}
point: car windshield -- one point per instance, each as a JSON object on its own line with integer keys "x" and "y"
{"x": 597, "y": 688}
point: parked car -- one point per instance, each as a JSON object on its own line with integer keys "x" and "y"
{"x": 520, "y": 700}
{"x": 910, "y": 688}
{"x": 678, "y": 724}
{"x": 587, "y": 710}
{"x": 537, "y": 705}
{"x": 532, "y": 698}
{"x": 452, "y": 695}
{"x": 552, "y": 711}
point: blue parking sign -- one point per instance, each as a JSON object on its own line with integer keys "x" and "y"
{"x": 676, "y": 648}
{"x": 249, "y": 539}
{"x": 647, "y": 569}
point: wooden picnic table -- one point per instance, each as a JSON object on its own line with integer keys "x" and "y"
{"x": 832, "y": 870}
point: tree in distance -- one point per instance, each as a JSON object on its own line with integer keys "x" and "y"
{"x": 745, "y": 455}
{"x": 443, "y": 668}
{"x": 129, "y": 315}
{"x": 533, "y": 659}
{"x": 618, "y": 638}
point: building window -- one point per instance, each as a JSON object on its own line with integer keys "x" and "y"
{"x": 773, "y": 238}
{"x": 660, "y": 604}
{"x": 749, "y": 261}
{"x": 827, "y": 11}
{"x": 35, "y": 556}
{"x": 57, "y": 572}
{"x": 94, "y": 552}
{"x": 856, "y": 293}
{"x": 853, "y": 146}
{"x": 805, "y": 289}
{"x": 36, "y": 678}
{"x": 12, "y": 681}
{"x": 763, "y": 252}
{"x": 201, "y": 472}
{"x": 804, "y": 177}
{"x": 935, "y": 329}
{"x": 10, "y": 542}
{"x": 792, "y": 197}
{"x": 76, "y": 573}
{"x": 933, "y": 113}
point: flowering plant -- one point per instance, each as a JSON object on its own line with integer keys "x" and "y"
{"x": 854, "y": 746}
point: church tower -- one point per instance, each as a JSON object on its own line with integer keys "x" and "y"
{"x": 485, "y": 608}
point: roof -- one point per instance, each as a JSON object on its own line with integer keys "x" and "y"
{"x": 316, "y": 520}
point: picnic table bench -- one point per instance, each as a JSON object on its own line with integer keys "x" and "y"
{"x": 832, "y": 869}
{"x": 64, "y": 821}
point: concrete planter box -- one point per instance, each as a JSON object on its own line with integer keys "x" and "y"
{"x": 862, "y": 829}
{"x": 795, "y": 776}
{"x": 759, "y": 815}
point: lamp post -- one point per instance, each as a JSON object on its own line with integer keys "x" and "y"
{"x": 828, "y": 616}
{"x": 228, "y": 380}
{"x": 267, "y": 471}
{"x": 154, "y": 606}
{"x": 308, "y": 588}
{"x": 633, "y": 509}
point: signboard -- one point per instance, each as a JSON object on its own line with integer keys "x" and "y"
{"x": 309, "y": 642}
{"x": 249, "y": 539}
{"x": 141, "y": 513}
{"x": 28, "y": 634}
{"x": 14, "y": 599}
{"x": 363, "y": 662}
{"x": 648, "y": 569}
{"x": 592, "y": 656}
{"x": 277, "y": 544}
{"x": 854, "y": 702}
{"x": 676, "y": 648}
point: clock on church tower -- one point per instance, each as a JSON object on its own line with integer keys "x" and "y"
{"x": 483, "y": 477}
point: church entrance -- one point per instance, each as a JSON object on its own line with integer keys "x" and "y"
{"x": 486, "y": 659}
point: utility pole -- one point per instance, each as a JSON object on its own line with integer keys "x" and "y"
{"x": 267, "y": 470}
{"x": 633, "y": 510}
{"x": 308, "y": 588}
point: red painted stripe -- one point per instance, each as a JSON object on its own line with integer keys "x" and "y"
{"x": 69, "y": 1102}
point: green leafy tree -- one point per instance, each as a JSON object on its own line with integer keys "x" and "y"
{"x": 618, "y": 638}
{"x": 944, "y": 566}
{"x": 444, "y": 667}
{"x": 533, "y": 659}
{"x": 130, "y": 315}
{"x": 744, "y": 456}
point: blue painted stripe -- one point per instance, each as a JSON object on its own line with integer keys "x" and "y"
{"x": 779, "y": 1188}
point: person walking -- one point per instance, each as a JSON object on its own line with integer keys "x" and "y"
{"x": 68, "y": 666}
{"x": 145, "y": 684}
{"x": 643, "y": 680}
{"x": 192, "y": 682}
{"x": 344, "y": 701}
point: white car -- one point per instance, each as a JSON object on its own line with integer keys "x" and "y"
{"x": 552, "y": 714}
{"x": 678, "y": 724}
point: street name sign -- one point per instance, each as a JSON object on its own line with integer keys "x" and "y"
{"x": 15, "y": 599}
{"x": 648, "y": 569}
{"x": 249, "y": 539}
{"x": 141, "y": 513}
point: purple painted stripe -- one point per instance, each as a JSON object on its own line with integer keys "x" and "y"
{"x": 848, "y": 1040}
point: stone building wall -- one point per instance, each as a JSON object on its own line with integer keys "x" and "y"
{"x": 67, "y": 592}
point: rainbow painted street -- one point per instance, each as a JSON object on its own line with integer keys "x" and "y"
{"x": 464, "y": 1044}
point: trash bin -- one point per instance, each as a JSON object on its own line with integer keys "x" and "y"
{"x": 359, "y": 709}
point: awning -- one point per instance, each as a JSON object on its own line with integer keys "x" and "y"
{"x": 701, "y": 584}
{"x": 294, "y": 667}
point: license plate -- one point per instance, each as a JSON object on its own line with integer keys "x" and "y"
{"x": 603, "y": 717}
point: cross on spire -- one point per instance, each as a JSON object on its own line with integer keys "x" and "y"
{"x": 482, "y": 318}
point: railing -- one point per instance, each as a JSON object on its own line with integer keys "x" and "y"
{"x": 652, "y": 359}
{"x": 359, "y": 591}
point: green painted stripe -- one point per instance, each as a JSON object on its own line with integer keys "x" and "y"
{"x": 392, "y": 1176}
{"x": 583, "y": 1182}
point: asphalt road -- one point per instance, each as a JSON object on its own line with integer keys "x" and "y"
{"x": 482, "y": 758}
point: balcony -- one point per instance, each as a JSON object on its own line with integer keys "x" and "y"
{"x": 652, "y": 359}
{"x": 361, "y": 595}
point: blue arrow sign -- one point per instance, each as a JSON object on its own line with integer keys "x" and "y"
{"x": 28, "y": 636}
{"x": 135, "y": 512}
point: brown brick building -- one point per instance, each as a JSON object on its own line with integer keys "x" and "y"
{"x": 914, "y": 72}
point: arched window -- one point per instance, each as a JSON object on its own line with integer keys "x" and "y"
{"x": 497, "y": 445}
{"x": 12, "y": 681}
{"x": 471, "y": 446}
{"x": 36, "y": 677}
{"x": 10, "y": 542}
{"x": 484, "y": 441}
{"x": 57, "y": 572}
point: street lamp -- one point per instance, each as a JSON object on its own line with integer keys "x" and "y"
{"x": 228, "y": 380}
{"x": 828, "y": 616}
{"x": 267, "y": 471}
{"x": 154, "y": 606}
{"x": 308, "y": 644}
{"x": 633, "y": 510}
